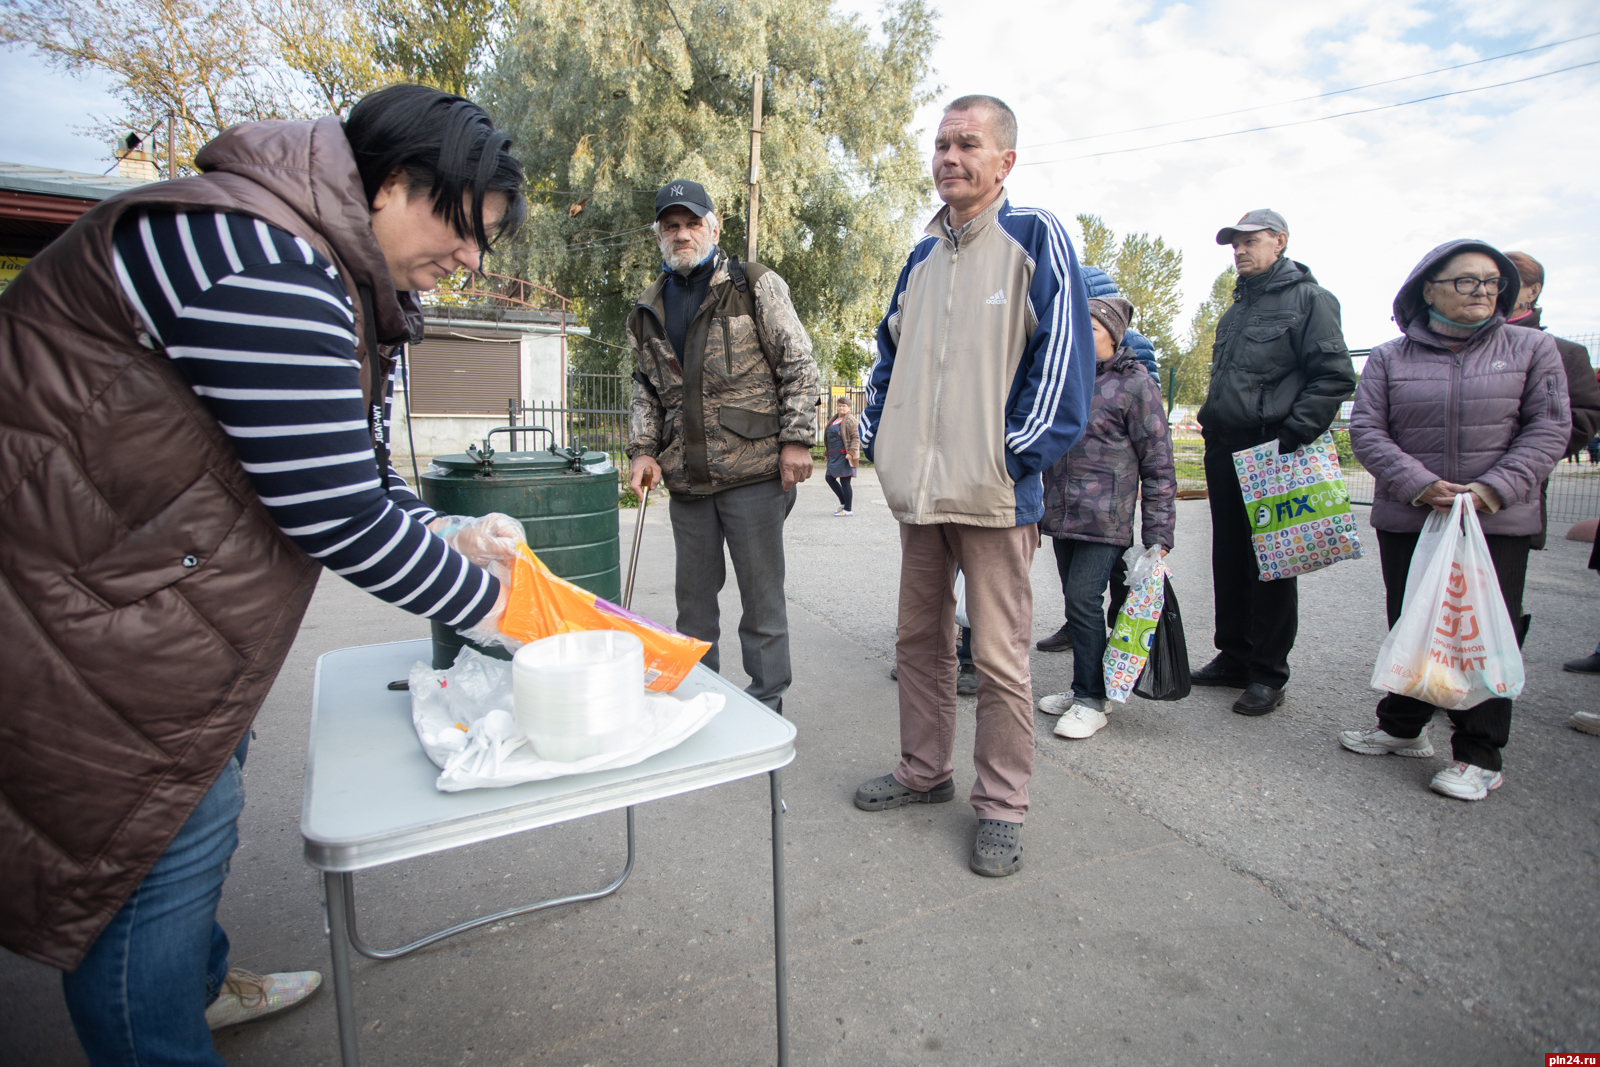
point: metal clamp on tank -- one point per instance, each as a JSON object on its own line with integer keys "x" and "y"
{"x": 484, "y": 457}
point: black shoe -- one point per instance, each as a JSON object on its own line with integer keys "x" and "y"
{"x": 1258, "y": 699}
{"x": 1214, "y": 673}
{"x": 894, "y": 673}
{"x": 1059, "y": 641}
{"x": 887, "y": 792}
{"x": 967, "y": 681}
{"x": 997, "y": 849}
{"x": 1589, "y": 664}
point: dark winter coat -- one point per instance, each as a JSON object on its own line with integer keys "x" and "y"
{"x": 1494, "y": 412}
{"x": 1089, "y": 493}
{"x": 1279, "y": 364}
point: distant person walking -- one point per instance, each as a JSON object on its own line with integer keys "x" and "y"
{"x": 844, "y": 455}
{"x": 1279, "y": 370}
{"x": 1089, "y": 499}
{"x": 1460, "y": 404}
{"x": 985, "y": 365}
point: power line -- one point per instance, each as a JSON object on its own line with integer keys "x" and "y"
{"x": 1318, "y": 96}
{"x": 1303, "y": 122}
{"x": 693, "y": 54}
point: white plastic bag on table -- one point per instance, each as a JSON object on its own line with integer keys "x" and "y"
{"x": 462, "y": 719}
{"x": 1453, "y": 646}
{"x": 1135, "y": 629}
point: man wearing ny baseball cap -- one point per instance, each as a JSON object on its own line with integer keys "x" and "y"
{"x": 723, "y": 407}
{"x": 1279, "y": 370}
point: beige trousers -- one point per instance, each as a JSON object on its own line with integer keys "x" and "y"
{"x": 996, "y": 563}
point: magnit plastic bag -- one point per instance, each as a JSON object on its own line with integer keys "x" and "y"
{"x": 1135, "y": 630}
{"x": 542, "y": 605}
{"x": 1453, "y": 645}
{"x": 1298, "y": 506}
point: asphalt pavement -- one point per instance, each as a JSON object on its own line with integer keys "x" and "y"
{"x": 1199, "y": 887}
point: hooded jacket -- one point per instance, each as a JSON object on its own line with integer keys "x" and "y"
{"x": 1097, "y": 283}
{"x": 1089, "y": 493}
{"x": 1279, "y": 363}
{"x": 146, "y": 589}
{"x": 1493, "y": 412}
{"x": 985, "y": 365}
{"x": 1583, "y": 390}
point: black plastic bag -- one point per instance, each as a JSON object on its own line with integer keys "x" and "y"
{"x": 1166, "y": 672}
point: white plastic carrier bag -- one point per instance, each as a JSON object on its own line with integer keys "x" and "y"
{"x": 1453, "y": 646}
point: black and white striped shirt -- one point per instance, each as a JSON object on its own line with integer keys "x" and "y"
{"x": 263, "y": 330}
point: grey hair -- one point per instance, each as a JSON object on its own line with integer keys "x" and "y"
{"x": 655, "y": 227}
{"x": 1004, "y": 120}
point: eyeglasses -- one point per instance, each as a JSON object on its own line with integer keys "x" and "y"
{"x": 1468, "y": 286}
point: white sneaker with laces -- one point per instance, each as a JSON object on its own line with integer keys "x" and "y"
{"x": 1587, "y": 721}
{"x": 1376, "y": 741}
{"x": 247, "y": 996}
{"x": 1464, "y": 781}
{"x": 1055, "y": 703}
{"x": 847, "y": 514}
{"x": 1079, "y": 722}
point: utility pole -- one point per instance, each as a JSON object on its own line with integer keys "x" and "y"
{"x": 755, "y": 169}
{"x": 172, "y": 146}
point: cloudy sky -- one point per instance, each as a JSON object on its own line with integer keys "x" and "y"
{"x": 1364, "y": 196}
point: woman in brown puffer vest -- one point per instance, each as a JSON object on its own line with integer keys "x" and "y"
{"x": 155, "y": 570}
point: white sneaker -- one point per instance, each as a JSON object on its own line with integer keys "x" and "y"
{"x": 1465, "y": 781}
{"x": 847, "y": 514}
{"x": 247, "y": 996}
{"x": 1055, "y": 703}
{"x": 1587, "y": 721}
{"x": 1079, "y": 722}
{"x": 1375, "y": 741}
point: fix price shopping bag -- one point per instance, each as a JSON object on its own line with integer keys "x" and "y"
{"x": 1134, "y": 632}
{"x": 1298, "y": 507}
{"x": 1453, "y": 645}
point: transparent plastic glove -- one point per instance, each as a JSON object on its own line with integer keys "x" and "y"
{"x": 486, "y": 631}
{"x": 489, "y": 540}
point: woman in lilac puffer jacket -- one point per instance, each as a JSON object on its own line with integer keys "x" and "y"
{"x": 1460, "y": 404}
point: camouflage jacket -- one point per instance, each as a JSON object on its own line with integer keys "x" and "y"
{"x": 746, "y": 386}
{"x": 1089, "y": 493}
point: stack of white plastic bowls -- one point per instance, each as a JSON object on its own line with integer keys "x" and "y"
{"x": 578, "y": 695}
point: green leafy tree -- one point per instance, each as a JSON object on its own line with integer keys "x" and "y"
{"x": 1147, "y": 273}
{"x": 443, "y": 43}
{"x": 1193, "y": 364}
{"x": 608, "y": 100}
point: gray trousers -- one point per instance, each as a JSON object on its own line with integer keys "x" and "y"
{"x": 749, "y": 520}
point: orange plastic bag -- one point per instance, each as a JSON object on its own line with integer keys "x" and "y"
{"x": 542, "y": 605}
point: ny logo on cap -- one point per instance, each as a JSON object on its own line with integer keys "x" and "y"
{"x": 677, "y": 190}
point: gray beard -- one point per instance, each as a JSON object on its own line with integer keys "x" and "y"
{"x": 685, "y": 261}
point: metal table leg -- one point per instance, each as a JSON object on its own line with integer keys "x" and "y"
{"x": 780, "y": 926}
{"x": 335, "y": 886}
{"x": 340, "y": 890}
{"x": 393, "y": 953}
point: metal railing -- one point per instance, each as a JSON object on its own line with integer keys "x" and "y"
{"x": 594, "y": 416}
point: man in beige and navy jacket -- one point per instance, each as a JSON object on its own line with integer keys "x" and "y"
{"x": 985, "y": 367}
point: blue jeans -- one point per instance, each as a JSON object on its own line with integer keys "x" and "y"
{"x": 140, "y": 996}
{"x": 1085, "y": 569}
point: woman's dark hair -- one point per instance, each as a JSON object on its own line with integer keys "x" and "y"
{"x": 446, "y": 145}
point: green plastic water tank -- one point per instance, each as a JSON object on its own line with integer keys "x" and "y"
{"x": 566, "y": 501}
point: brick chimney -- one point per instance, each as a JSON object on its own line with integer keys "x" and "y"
{"x": 133, "y": 161}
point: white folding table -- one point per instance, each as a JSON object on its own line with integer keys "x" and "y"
{"x": 370, "y": 799}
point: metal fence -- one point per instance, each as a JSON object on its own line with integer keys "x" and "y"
{"x": 594, "y": 417}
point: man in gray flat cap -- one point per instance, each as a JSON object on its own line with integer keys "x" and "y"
{"x": 1279, "y": 370}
